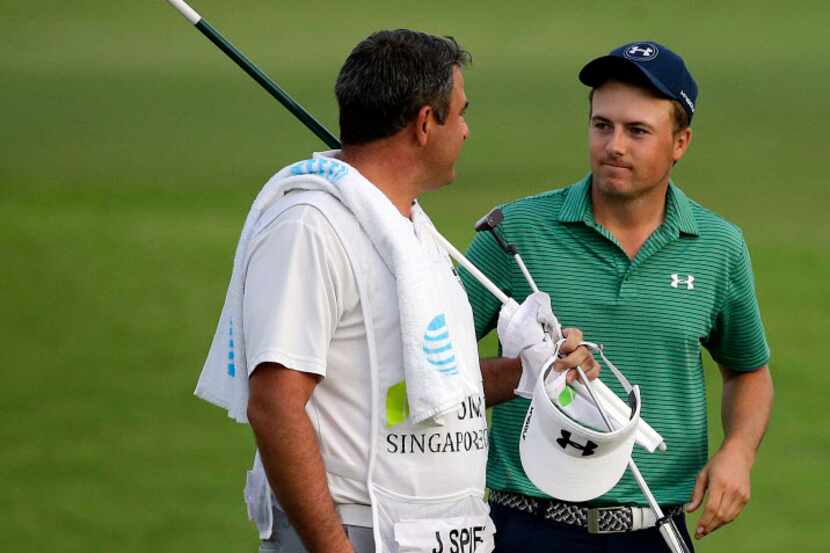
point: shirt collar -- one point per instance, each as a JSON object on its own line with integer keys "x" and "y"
{"x": 577, "y": 202}
{"x": 679, "y": 211}
{"x": 577, "y": 207}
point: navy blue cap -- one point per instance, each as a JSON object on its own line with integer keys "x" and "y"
{"x": 663, "y": 69}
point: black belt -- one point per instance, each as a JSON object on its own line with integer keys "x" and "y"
{"x": 597, "y": 520}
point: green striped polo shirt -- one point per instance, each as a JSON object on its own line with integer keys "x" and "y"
{"x": 690, "y": 285}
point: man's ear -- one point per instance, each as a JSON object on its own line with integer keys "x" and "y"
{"x": 681, "y": 143}
{"x": 423, "y": 124}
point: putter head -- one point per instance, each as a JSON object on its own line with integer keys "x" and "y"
{"x": 490, "y": 220}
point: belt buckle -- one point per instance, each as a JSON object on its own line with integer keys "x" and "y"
{"x": 594, "y": 521}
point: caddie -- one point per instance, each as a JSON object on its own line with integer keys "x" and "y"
{"x": 347, "y": 339}
{"x": 627, "y": 257}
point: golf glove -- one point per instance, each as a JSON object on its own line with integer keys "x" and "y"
{"x": 531, "y": 332}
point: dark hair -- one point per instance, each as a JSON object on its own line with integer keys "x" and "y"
{"x": 389, "y": 77}
{"x": 634, "y": 78}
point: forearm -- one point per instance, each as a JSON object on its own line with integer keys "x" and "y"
{"x": 291, "y": 456}
{"x": 500, "y": 376}
{"x": 745, "y": 407}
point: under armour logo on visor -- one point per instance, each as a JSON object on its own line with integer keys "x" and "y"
{"x": 565, "y": 441}
{"x": 688, "y": 282}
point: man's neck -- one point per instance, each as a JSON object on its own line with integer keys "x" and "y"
{"x": 630, "y": 220}
{"x": 388, "y": 168}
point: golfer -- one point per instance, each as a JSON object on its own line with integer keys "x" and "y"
{"x": 627, "y": 257}
{"x": 347, "y": 339}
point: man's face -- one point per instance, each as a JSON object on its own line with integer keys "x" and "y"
{"x": 448, "y": 138}
{"x": 633, "y": 145}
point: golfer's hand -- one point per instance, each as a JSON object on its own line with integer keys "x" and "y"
{"x": 572, "y": 355}
{"x": 725, "y": 483}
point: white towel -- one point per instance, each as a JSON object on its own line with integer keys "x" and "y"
{"x": 430, "y": 392}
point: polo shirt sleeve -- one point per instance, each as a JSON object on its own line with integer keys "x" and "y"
{"x": 485, "y": 254}
{"x": 738, "y": 340}
{"x": 290, "y": 303}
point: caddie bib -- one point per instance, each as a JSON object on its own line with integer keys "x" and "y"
{"x": 425, "y": 481}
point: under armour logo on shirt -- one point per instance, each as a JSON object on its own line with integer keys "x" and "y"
{"x": 689, "y": 281}
{"x": 565, "y": 441}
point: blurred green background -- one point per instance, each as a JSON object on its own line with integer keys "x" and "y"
{"x": 130, "y": 150}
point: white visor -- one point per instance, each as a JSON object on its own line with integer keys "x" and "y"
{"x": 563, "y": 449}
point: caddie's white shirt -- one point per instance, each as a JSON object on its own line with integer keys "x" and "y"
{"x": 301, "y": 309}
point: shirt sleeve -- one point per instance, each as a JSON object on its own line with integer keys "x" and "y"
{"x": 738, "y": 340}
{"x": 290, "y": 303}
{"x": 485, "y": 254}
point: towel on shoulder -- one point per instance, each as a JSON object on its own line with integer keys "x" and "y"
{"x": 431, "y": 393}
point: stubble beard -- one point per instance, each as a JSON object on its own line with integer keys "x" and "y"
{"x": 631, "y": 190}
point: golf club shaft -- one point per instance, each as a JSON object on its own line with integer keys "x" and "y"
{"x": 464, "y": 262}
{"x": 525, "y": 272}
{"x": 264, "y": 80}
{"x": 641, "y": 482}
{"x": 489, "y": 223}
{"x": 585, "y": 381}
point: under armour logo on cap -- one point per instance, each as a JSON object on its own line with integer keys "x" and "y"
{"x": 565, "y": 441}
{"x": 644, "y": 51}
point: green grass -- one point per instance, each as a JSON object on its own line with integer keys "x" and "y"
{"x": 131, "y": 149}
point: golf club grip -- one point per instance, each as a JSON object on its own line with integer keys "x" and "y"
{"x": 671, "y": 535}
{"x": 184, "y": 8}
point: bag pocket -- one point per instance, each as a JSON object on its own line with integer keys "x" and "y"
{"x": 454, "y": 523}
{"x": 468, "y": 534}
